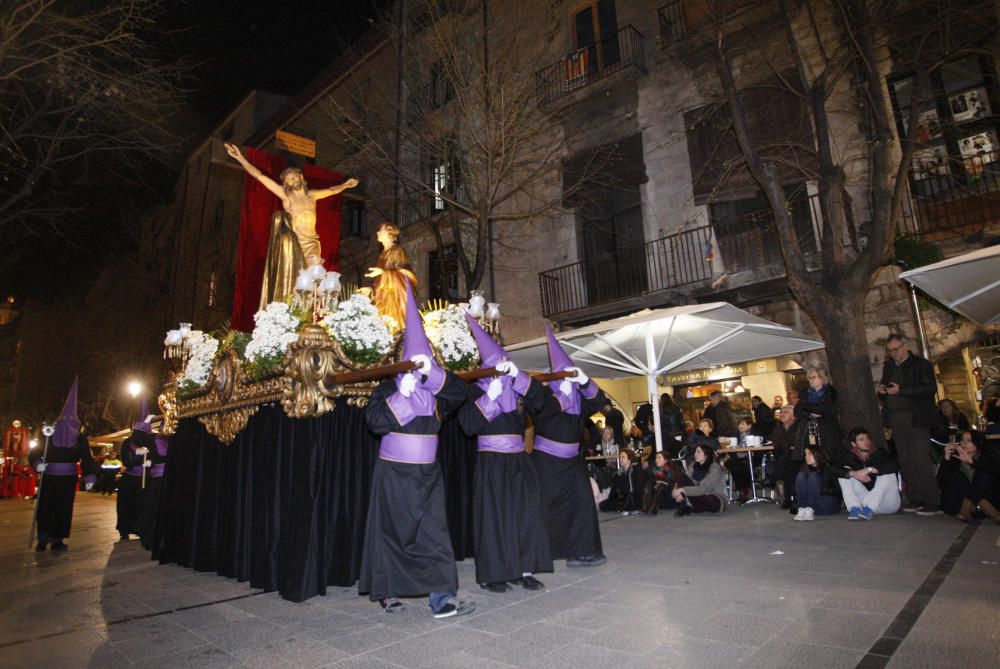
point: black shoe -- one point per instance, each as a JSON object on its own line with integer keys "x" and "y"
{"x": 122, "y": 536}
{"x": 496, "y": 588}
{"x": 529, "y": 583}
{"x": 787, "y": 504}
{"x": 793, "y": 509}
{"x": 682, "y": 510}
{"x": 40, "y": 547}
{"x": 449, "y": 610}
{"x": 391, "y": 605}
{"x": 59, "y": 546}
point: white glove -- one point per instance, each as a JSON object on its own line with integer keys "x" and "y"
{"x": 147, "y": 464}
{"x": 141, "y": 451}
{"x": 494, "y": 389}
{"x": 565, "y": 387}
{"x": 407, "y": 385}
{"x": 88, "y": 486}
{"x": 149, "y": 419}
{"x": 423, "y": 363}
{"x": 507, "y": 367}
{"x": 580, "y": 377}
{"x": 40, "y": 467}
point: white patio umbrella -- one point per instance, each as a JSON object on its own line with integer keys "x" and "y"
{"x": 968, "y": 284}
{"x": 651, "y": 342}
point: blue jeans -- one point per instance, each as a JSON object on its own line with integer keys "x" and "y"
{"x": 807, "y": 494}
{"x": 439, "y": 599}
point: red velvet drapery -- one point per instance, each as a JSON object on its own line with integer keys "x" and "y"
{"x": 255, "y": 226}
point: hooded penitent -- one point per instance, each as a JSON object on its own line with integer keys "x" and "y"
{"x": 560, "y": 362}
{"x": 492, "y": 354}
{"x": 67, "y": 427}
{"x": 415, "y": 342}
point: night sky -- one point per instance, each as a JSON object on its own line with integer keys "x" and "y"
{"x": 235, "y": 46}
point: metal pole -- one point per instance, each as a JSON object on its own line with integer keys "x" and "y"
{"x": 47, "y": 430}
{"x": 651, "y": 390}
{"x": 924, "y": 348}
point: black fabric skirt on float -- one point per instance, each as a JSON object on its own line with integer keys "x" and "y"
{"x": 510, "y": 534}
{"x": 150, "y": 509}
{"x": 55, "y": 507}
{"x": 407, "y": 548}
{"x": 568, "y": 503}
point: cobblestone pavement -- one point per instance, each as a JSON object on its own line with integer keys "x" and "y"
{"x": 749, "y": 588}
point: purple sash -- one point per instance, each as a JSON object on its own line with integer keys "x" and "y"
{"x": 156, "y": 471}
{"x": 500, "y": 443}
{"x": 61, "y": 468}
{"x": 556, "y": 448}
{"x": 134, "y": 471}
{"x": 415, "y": 449}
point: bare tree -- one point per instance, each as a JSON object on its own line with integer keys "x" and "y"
{"x": 83, "y": 94}
{"x": 475, "y": 148}
{"x": 832, "y": 55}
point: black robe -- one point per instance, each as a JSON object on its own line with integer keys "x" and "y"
{"x": 130, "y": 490}
{"x": 567, "y": 497}
{"x": 407, "y": 549}
{"x": 508, "y": 526}
{"x": 151, "y": 498}
{"x": 55, "y": 500}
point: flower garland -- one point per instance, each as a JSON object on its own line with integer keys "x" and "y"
{"x": 361, "y": 332}
{"x": 203, "y": 348}
{"x": 275, "y": 327}
{"x": 449, "y": 333}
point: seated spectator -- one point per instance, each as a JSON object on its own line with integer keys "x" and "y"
{"x": 703, "y": 488}
{"x": 868, "y": 478}
{"x": 626, "y": 484}
{"x": 704, "y": 436}
{"x": 737, "y": 462}
{"x": 969, "y": 476}
{"x": 606, "y": 445}
{"x": 951, "y": 422}
{"x": 788, "y": 439}
{"x": 599, "y": 468}
{"x": 658, "y": 492}
{"x": 816, "y": 487}
{"x": 890, "y": 441}
{"x": 688, "y": 428}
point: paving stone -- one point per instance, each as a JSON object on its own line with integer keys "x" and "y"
{"x": 245, "y": 633}
{"x": 298, "y": 652}
{"x": 424, "y": 650}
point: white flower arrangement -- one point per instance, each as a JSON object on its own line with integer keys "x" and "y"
{"x": 203, "y": 348}
{"x": 361, "y": 331}
{"x": 449, "y": 333}
{"x": 275, "y": 327}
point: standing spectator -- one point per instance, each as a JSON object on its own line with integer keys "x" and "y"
{"x": 672, "y": 421}
{"x": 868, "y": 480}
{"x": 614, "y": 419}
{"x": 969, "y": 477}
{"x": 788, "y": 453}
{"x": 816, "y": 486}
{"x": 643, "y": 416}
{"x": 721, "y": 415}
{"x": 817, "y": 409}
{"x": 793, "y": 397}
{"x": 763, "y": 417}
{"x": 907, "y": 389}
{"x": 109, "y": 473}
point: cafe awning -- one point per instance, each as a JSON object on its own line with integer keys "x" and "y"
{"x": 651, "y": 342}
{"x": 968, "y": 284}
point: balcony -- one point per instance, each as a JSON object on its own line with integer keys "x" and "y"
{"x": 591, "y": 64}
{"x": 427, "y": 99}
{"x": 948, "y": 195}
{"x": 673, "y": 22}
{"x": 669, "y": 262}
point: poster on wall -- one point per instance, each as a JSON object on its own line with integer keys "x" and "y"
{"x": 929, "y": 162}
{"x": 969, "y": 105}
{"x": 928, "y": 125}
{"x": 981, "y": 144}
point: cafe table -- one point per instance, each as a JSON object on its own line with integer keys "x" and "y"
{"x": 750, "y": 450}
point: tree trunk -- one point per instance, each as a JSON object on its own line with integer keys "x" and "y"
{"x": 841, "y": 325}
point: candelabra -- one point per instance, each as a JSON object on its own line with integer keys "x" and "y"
{"x": 487, "y": 314}
{"x": 317, "y": 290}
{"x": 177, "y": 345}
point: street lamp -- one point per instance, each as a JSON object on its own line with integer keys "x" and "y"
{"x": 33, "y": 443}
{"x": 134, "y": 388}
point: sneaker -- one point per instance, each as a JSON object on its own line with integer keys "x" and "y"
{"x": 926, "y": 510}
{"x": 586, "y": 561}
{"x": 854, "y": 513}
{"x": 801, "y": 515}
{"x": 866, "y": 513}
{"x": 529, "y": 583}
{"x": 391, "y": 605}
{"x": 450, "y": 610}
{"x": 912, "y": 508}
{"x": 495, "y": 588}
{"x": 808, "y": 514}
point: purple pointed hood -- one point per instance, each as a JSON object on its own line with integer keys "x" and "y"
{"x": 67, "y": 427}
{"x": 558, "y": 362}
{"x": 143, "y": 408}
{"x": 492, "y": 354}
{"x": 414, "y": 338}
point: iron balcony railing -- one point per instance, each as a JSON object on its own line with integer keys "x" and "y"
{"x": 673, "y": 21}
{"x": 425, "y": 100}
{"x": 946, "y": 194}
{"x": 669, "y": 262}
{"x": 591, "y": 63}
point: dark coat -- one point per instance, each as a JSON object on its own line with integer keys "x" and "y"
{"x": 917, "y": 386}
{"x": 824, "y": 413}
{"x": 722, "y": 419}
